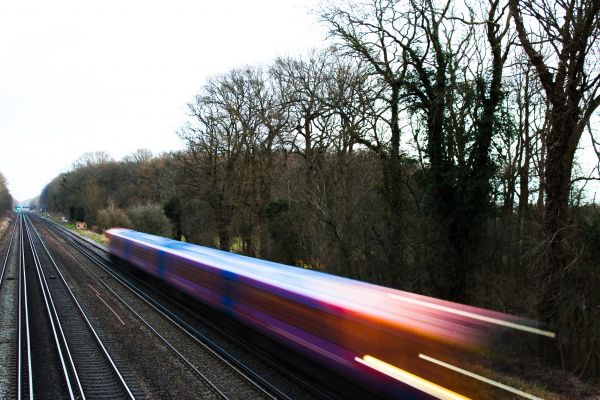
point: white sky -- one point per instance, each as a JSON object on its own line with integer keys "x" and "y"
{"x": 78, "y": 76}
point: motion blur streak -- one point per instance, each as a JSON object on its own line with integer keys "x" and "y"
{"x": 475, "y": 316}
{"x": 479, "y": 377}
{"x": 331, "y": 319}
{"x": 410, "y": 379}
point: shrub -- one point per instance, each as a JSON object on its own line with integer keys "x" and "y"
{"x": 150, "y": 218}
{"x": 113, "y": 216}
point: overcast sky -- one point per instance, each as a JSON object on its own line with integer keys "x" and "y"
{"x": 80, "y": 76}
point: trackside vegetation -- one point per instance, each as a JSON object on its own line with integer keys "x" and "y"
{"x": 6, "y": 200}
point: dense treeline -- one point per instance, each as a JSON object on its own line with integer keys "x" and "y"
{"x": 6, "y": 200}
{"x": 430, "y": 149}
{"x": 105, "y": 193}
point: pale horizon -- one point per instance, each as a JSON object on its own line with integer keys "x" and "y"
{"x": 116, "y": 77}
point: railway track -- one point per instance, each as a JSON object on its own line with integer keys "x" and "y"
{"x": 228, "y": 377}
{"x": 43, "y": 368}
{"x": 52, "y": 350}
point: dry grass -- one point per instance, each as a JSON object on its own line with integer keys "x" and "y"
{"x": 96, "y": 237}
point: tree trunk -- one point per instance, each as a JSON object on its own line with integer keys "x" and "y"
{"x": 541, "y": 171}
{"x": 526, "y": 156}
{"x": 392, "y": 175}
{"x": 561, "y": 145}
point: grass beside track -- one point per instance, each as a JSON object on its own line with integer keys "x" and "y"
{"x": 96, "y": 237}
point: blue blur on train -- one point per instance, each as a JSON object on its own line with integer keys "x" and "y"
{"x": 393, "y": 343}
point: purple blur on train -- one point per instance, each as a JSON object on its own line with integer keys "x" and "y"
{"x": 380, "y": 338}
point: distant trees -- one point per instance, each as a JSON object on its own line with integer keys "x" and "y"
{"x": 6, "y": 199}
{"x": 104, "y": 192}
{"x": 430, "y": 149}
{"x": 92, "y": 159}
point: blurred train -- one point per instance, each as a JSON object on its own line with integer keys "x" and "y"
{"x": 395, "y": 344}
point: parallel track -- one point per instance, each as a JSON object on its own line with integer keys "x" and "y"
{"x": 57, "y": 342}
{"x": 98, "y": 256}
{"x": 25, "y": 369}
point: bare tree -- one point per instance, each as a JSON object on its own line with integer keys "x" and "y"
{"x": 560, "y": 39}
{"x": 415, "y": 49}
{"x": 213, "y": 148}
{"x": 91, "y": 159}
{"x": 372, "y": 33}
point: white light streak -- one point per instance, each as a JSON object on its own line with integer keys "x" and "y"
{"x": 468, "y": 314}
{"x": 479, "y": 377}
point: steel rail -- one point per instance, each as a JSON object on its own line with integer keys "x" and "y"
{"x": 83, "y": 315}
{"x": 47, "y": 290}
{"x": 20, "y": 313}
{"x": 23, "y": 318}
{"x": 53, "y": 318}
